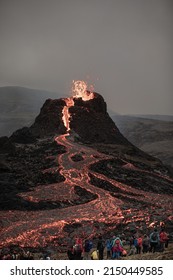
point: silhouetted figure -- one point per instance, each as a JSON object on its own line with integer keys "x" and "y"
{"x": 108, "y": 248}
{"x": 87, "y": 248}
{"x": 100, "y": 247}
{"x": 77, "y": 249}
{"x": 70, "y": 253}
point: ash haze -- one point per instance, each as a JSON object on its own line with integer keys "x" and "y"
{"x": 123, "y": 47}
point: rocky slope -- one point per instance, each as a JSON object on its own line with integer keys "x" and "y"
{"x": 57, "y": 184}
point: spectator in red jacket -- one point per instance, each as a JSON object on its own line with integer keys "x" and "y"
{"x": 163, "y": 239}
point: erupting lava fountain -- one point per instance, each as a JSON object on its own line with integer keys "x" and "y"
{"x": 79, "y": 90}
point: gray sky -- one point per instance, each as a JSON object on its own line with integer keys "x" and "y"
{"x": 123, "y": 47}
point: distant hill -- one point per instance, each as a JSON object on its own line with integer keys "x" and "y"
{"x": 152, "y": 136}
{"x": 168, "y": 118}
{"x": 19, "y": 106}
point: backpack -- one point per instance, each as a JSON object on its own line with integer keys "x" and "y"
{"x": 163, "y": 236}
{"x": 154, "y": 236}
{"x": 139, "y": 241}
{"x": 135, "y": 242}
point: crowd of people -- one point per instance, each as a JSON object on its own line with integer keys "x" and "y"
{"x": 17, "y": 253}
{"x": 115, "y": 247}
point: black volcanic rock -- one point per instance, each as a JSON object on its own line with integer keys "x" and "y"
{"x": 94, "y": 127}
{"x": 23, "y": 136}
{"x": 23, "y": 169}
{"x": 97, "y": 104}
{"x": 6, "y": 145}
{"x": 49, "y": 121}
{"x": 89, "y": 119}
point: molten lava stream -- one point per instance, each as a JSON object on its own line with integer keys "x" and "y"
{"x": 76, "y": 173}
{"x": 41, "y": 227}
{"x": 82, "y": 170}
{"x": 38, "y": 228}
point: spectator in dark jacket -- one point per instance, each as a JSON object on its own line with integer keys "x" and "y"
{"x": 100, "y": 247}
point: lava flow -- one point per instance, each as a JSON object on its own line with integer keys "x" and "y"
{"x": 79, "y": 90}
{"x": 87, "y": 202}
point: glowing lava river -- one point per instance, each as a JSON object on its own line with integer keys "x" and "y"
{"x": 103, "y": 212}
{"x": 86, "y": 203}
